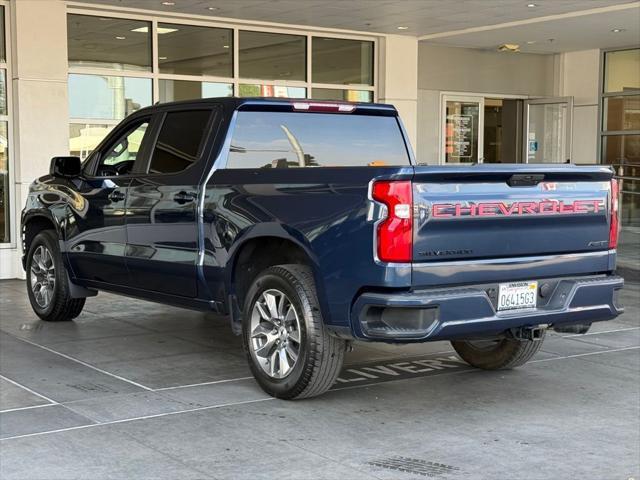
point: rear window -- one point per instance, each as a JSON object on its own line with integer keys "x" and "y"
{"x": 291, "y": 140}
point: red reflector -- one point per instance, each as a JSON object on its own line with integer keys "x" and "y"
{"x": 614, "y": 225}
{"x": 323, "y": 107}
{"x": 395, "y": 232}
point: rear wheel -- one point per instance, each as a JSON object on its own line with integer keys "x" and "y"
{"x": 291, "y": 354}
{"x": 498, "y": 353}
{"x": 47, "y": 282}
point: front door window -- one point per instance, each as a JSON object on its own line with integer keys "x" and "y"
{"x": 120, "y": 157}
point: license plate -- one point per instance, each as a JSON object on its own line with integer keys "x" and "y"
{"x": 517, "y": 295}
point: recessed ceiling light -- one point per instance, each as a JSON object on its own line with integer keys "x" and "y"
{"x": 162, "y": 58}
{"x": 403, "y": 28}
{"x": 169, "y": 4}
{"x": 617, "y": 30}
{"x": 121, "y": 38}
{"x": 531, "y": 42}
{"x": 161, "y": 30}
{"x": 532, "y": 5}
{"x": 212, "y": 9}
{"x": 225, "y": 46}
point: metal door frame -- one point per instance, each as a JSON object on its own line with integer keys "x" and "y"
{"x": 547, "y": 101}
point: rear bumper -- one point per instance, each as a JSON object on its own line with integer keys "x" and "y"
{"x": 470, "y": 311}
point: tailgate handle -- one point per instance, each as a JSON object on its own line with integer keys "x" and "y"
{"x": 525, "y": 179}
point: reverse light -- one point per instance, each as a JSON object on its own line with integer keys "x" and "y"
{"x": 323, "y": 107}
{"x": 614, "y": 225}
{"x": 395, "y": 232}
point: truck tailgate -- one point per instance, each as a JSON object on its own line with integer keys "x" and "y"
{"x": 495, "y": 212}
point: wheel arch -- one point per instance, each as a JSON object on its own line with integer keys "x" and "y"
{"x": 34, "y": 223}
{"x": 265, "y": 246}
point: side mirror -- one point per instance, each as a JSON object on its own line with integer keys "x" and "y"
{"x": 65, "y": 166}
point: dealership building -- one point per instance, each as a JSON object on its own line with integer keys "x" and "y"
{"x": 477, "y": 81}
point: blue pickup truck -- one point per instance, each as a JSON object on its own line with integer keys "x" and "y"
{"x": 310, "y": 225}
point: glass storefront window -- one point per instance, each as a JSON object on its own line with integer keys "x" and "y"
{"x": 174, "y": 90}
{"x": 621, "y": 149}
{"x": 107, "y": 97}
{"x": 3, "y": 92}
{"x": 622, "y": 112}
{"x": 342, "y": 95}
{"x": 85, "y": 137}
{"x": 257, "y": 90}
{"x": 343, "y": 62}
{"x": 5, "y": 230}
{"x": 190, "y": 50}
{"x": 3, "y": 48}
{"x": 108, "y": 43}
{"x": 622, "y": 69}
{"x": 272, "y": 56}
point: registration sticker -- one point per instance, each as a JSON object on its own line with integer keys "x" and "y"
{"x": 517, "y": 296}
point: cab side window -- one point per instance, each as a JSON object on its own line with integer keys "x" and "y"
{"x": 121, "y": 155}
{"x": 180, "y": 140}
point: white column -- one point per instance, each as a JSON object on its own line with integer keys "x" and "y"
{"x": 40, "y": 105}
{"x": 579, "y": 77}
{"x": 398, "y": 79}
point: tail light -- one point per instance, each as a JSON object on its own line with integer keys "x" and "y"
{"x": 614, "y": 226}
{"x": 395, "y": 232}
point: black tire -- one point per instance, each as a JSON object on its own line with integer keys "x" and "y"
{"x": 500, "y": 354}
{"x": 60, "y": 307}
{"x": 320, "y": 355}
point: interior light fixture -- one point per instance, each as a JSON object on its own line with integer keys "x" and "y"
{"x": 225, "y": 46}
{"x": 121, "y": 38}
{"x": 617, "y": 30}
{"x": 212, "y": 9}
{"x": 531, "y": 42}
{"x": 168, "y": 4}
{"x": 403, "y": 28}
{"x": 161, "y": 30}
{"x": 532, "y": 5}
{"x": 509, "y": 47}
{"x": 162, "y": 58}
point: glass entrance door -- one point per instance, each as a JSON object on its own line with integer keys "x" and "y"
{"x": 547, "y": 136}
{"x": 462, "y": 138}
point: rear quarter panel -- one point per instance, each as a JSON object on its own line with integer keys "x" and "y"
{"x": 324, "y": 210}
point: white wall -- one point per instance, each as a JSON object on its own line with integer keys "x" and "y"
{"x": 578, "y": 75}
{"x": 468, "y": 70}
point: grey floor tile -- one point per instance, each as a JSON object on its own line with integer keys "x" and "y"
{"x": 54, "y": 376}
{"x": 36, "y": 420}
{"x": 12, "y": 396}
{"x": 127, "y": 348}
{"x": 218, "y": 394}
{"x": 170, "y": 371}
{"x": 121, "y": 407}
{"x": 95, "y": 453}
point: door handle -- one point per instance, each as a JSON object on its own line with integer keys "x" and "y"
{"x": 116, "y": 196}
{"x": 184, "y": 197}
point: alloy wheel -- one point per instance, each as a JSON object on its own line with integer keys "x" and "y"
{"x": 275, "y": 333}
{"x": 42, "y": 276}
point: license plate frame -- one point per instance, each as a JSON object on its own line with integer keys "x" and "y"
{"x": 517, "y": 296}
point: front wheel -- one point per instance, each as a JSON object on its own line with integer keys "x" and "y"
{"x": 291, "y": 354}
{"x": 497, "y": 354}
{"x": 47, "y": 282}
